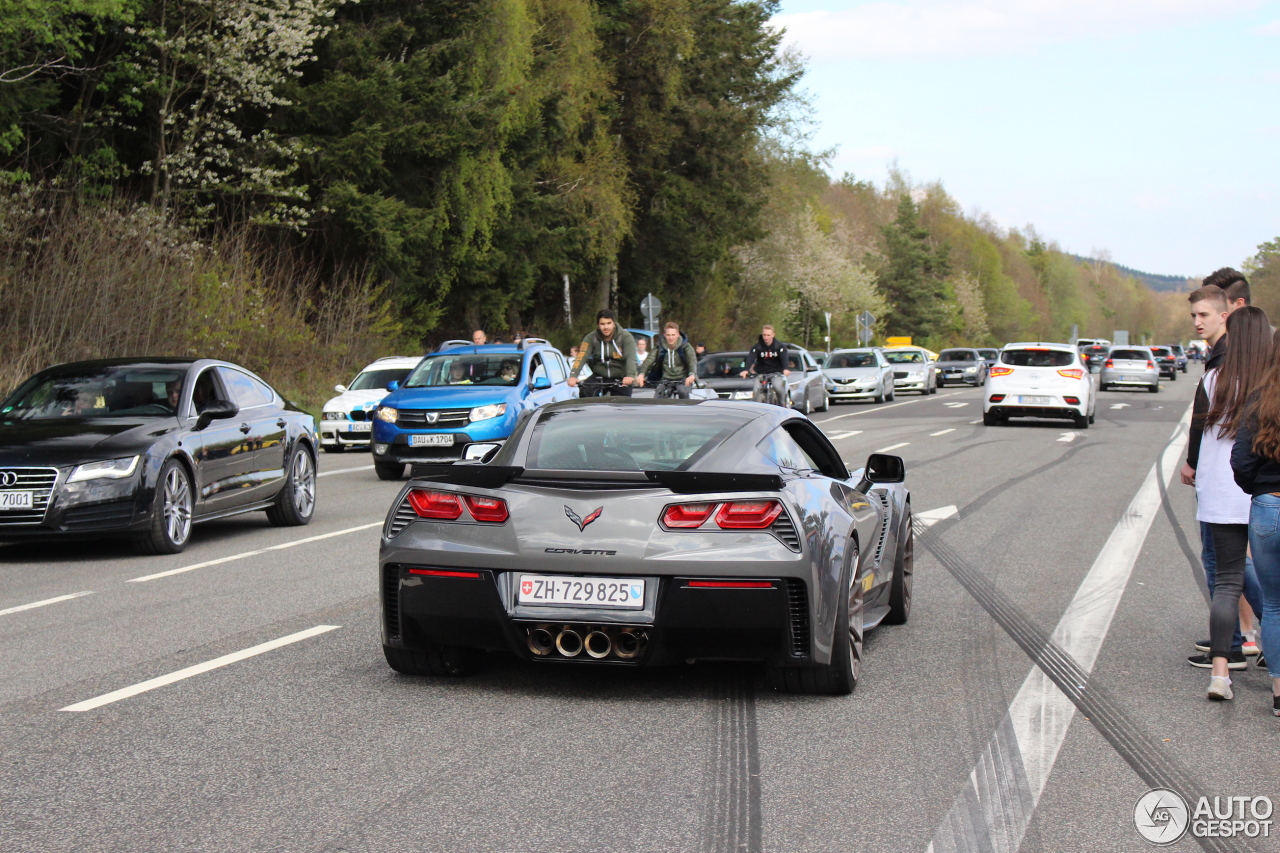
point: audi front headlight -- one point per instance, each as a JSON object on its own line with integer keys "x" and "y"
{"x": 484, "y": 413}
{"x": 108, "y": 469}
{"x": 388, "y": 414}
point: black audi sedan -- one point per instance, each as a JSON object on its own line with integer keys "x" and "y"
{"x": 148, "y": 447}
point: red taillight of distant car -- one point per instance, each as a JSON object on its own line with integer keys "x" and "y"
{"x": 492, "y": 510}
{"x": 1150, "y": 366}
{"x": 687, "y": 516}
{"x": 1072, "y": 401}
{"x": 1000, "y": 371}
{"x": 1110, "y": 363}
{"x": 996, "y": 398}
{"x": 748, "y": 515}
{"x": 730, "y": 515}
{"x": 444, "y": 506}
{"x": 1071, "y": 372}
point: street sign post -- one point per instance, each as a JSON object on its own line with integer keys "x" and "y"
{"x": 866, "y": 320}
{"x": 649, "y": 307}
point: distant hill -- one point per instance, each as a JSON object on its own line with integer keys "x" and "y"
{"x": 1158, "y": 283}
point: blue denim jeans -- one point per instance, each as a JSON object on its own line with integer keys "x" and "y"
{"x": 1252, "y": 592}
{"x": 1264, "y": 541}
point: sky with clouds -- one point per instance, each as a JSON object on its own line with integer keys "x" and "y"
{"x": 1148, "y": 128}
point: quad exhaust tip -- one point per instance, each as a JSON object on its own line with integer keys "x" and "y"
{"x": 598, "y": 641}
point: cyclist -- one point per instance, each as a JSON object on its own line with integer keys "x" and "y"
{"x": 610, "y": 353}
{"x": 770, "y": 360}
{"x": 672, "y": 361}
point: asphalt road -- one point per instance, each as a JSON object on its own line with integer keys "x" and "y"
{"x": 315, "y": 745}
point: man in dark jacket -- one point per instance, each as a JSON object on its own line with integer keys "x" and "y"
{"x": 672, "y": 360}
{"x": 769, "y": 357}
{"x": 610, "y": 352}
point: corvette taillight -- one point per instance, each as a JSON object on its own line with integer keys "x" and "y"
{"x": 1071, "y": 373}
{"x": 492, "y": 510}
{"x": 440, "y": 505}
{"x": 1001, "y": 371}
{"x": 748, "y": 515}
{"x": 687, "y": 516}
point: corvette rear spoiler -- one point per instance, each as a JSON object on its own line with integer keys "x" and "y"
{"x": 680, "y": 482}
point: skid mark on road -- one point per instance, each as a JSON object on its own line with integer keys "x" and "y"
{"x": 733, "y": 821}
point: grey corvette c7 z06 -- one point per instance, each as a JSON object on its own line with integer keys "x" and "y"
{"x": 646, "y": 532}
{"x": 147, "y": 447}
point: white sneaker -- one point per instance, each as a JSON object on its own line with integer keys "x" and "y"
{"x": 1219, "y": 688}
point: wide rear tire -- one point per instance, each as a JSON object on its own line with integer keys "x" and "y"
{"x": 903, "y": 569}
{"x": 172, "y": 509}
{"x": 296, "y": 503}
{"x": 840, "y": 676}
{"x": 448, "y": 661}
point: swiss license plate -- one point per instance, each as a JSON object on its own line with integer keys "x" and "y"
{"x": 618, "y": 593}
{"x": 431, "y": 440}
{"x": 1035, "y": 401}
{"x": 16, "y": 500}
{"x": 359, "y": 426}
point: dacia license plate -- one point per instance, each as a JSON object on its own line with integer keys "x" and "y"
{"x": 359, "y": 426}
{"x": 558, "y": 590}
{"x": 17, "y": 500}
{"x": 1035, "y": 401}
{"x": 431, "y": 440}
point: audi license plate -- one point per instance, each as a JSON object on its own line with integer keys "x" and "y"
{"x": 16, "y": 500}
{"x": 1035, "y": 401}
{"x": 359, "y": 426}
{"x": 431, "y": 440}
{"x": 618, "y": 593}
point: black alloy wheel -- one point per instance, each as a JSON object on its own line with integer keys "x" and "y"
{"x": 389, "y": 470}
{"x": 903, "y": 569}
{"x": 440, "y": 660}
{"x": 171, "y": 511}
{"x": 296, "y": 502}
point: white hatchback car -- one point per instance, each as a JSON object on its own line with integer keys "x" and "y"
{"x": 1036, "y": 380}
{"x": 347, "y": 420}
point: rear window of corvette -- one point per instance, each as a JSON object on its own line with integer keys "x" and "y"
{"x": 643, "y": 441}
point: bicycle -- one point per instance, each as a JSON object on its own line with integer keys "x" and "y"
{"x": 667, "y": 388}
{"x": 597, "y": 387}
{"x": 766, "y": 390}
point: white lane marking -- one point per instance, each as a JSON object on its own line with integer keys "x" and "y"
{"x": 846, "y": 434}
{"x": 882, "y": 408}
{"x": 893, "y": 447}
{"x": 245, "y": 554}
{"x": 993, "y": 809}
{"x": 928, "y": 518}
{"x": 1120, "y": 405}
{"x": 978, "y": 421}
{"x": 1069, "y": 436}
{"x": 346, "y": 470}
{"x": 954, "y": 405}
{"x": 161, "y": 681}
{"x": 33, "y": 605}
{"x": 941, "y": 432}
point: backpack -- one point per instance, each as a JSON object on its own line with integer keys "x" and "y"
{"x": 655, "y": 372}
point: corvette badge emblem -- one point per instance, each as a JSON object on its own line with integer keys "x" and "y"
{"x": 583, "y": 522}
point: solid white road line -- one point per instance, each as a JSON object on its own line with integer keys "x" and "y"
{"x": 33, "y": 605}
{"x": 941, "y": 432}
{"x": 882, "y": 408}
{"x": 1120, "y": 406}
{"x": 161, "y": 681}
{"x": 928, "y": 518}
{"x": 993, "y": 809}
{"x": 1069, "y": 436}
{"x": 954, "y": 405}
{"x": 245, "y": 554}
{"x": 835, "y": 436}
{"x": 893, "y": 447}
{"x": 346, "y": 470}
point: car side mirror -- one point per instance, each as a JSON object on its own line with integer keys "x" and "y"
{"x": 480, "y": 452}
{"x": 393, "y": 385}
{"x": 341, "y": 389}
{"x": 541, "y": 383}
{"x": 216, "y": 410}
{"x": 883, "y": 468}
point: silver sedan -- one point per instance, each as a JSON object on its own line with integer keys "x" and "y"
{"x": 1129, "y": 367}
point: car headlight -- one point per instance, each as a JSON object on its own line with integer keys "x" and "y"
{"x": 483, "y": 413}
{"x": 388, "y": 414}
{"x": 971, "y": 370}
{"x": 108, "y": 469}
{"x": 335, "y": 416}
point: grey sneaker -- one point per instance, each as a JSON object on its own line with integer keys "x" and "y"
{"x": 1219, "y": 688}
{"x": 1235, "y": 660}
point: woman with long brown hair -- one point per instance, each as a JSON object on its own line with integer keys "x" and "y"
{"x": 1255, "y": 459}
{"x": 1221, "y": 503}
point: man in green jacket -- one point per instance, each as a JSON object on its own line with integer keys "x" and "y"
{"x": 610, "y": 352}
{"x": 672, "y": 360}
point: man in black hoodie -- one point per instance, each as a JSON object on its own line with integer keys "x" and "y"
{"x": 769, "y": 357}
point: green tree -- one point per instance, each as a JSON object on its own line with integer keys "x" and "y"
{"x": 913, "y": 277}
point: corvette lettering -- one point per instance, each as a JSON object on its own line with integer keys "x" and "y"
{"x": 594, "y": 551}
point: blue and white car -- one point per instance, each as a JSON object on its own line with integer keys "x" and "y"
{"x": 464, "y": 395}
{"x": 347, "y": 419}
